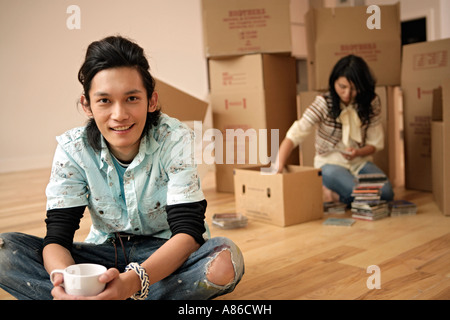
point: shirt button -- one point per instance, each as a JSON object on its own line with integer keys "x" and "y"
{"x": 136, "y": 229}
{"x": 101, "y": 212}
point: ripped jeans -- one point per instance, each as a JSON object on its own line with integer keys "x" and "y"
{"x": 22, "y": 273}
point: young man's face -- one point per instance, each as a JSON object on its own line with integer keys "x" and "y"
{"x": 119, "y": 105}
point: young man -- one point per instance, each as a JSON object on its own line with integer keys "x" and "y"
{"x": 130, "y": 167}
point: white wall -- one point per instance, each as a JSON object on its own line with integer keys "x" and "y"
{"x": 445, "y": 18}
{"x": 40, "y": 58}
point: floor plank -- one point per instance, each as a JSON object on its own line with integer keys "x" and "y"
{"x": 300, "y": 262}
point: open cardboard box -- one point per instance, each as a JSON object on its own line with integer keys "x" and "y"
{"x": 179, "y": 104}
{"x": 281, "y": 199}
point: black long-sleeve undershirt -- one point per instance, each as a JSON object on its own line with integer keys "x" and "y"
{"x": 182, "y": 218}
{"x": 188, "y": 218}
{"x": 62, "y": 224}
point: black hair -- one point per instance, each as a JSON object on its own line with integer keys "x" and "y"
{"x": 356, "y": 70}
{"x": 114, "y": 52}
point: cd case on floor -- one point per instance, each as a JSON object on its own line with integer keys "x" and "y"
{"x": 229, "y": 220}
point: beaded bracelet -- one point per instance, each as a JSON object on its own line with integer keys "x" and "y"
{"x": 143, "y": 276}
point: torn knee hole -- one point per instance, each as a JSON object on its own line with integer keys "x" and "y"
{"x": 221, "y": 270}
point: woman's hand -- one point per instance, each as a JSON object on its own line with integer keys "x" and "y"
{"x": 350, "y": 153}
{"x": 286, "y": 148}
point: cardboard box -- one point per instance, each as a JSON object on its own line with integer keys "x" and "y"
{"x": 440, "y": 148}
{"x": 298, "y": 33}
{"x": 333, "y": 33}
{"x": 250, "y": 93}
{"x": 280, "y": 199}
{"x": 179, "y": 104}
{"x": 425, "y": 66}
{"x": 395, "y": 141}
{"x": 236, "y": 27}
{"x": 299, "y": 8}
{"x": 391, "y": 158}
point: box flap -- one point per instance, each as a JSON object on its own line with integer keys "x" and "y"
{"x": 179, "y": 104}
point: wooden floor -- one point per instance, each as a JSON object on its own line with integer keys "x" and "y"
{"x": 306, "y": 261}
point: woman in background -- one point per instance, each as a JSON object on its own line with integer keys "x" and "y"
{"x": 349, "y": 129}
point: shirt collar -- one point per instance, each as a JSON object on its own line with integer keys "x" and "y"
{"x": 147, "y": 146}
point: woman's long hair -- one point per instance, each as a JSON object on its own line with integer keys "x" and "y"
{"x": 356, "y": 70}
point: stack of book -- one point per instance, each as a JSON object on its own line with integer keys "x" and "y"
{"x": 367, "y": 203}
{"x": 371, "y": 179}
{"x": 370, "y": 210}
{"x": 334, "y": 207}
{"x": 402, "y": 207}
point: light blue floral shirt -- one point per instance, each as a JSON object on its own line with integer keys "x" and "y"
{"x": 163, "y": 173}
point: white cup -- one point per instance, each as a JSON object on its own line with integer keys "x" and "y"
{"x": 81, "y": 279}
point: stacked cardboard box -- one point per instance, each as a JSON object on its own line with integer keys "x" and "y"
{"x": 299, "y": 8}
{"x": 250, "y": 93}
{"x": 440, "y": 147}
{"x": 253, "y": 89}
{"x": 336, "y": 32}
{"x": 332, "y": 33}
{"x": 252, "y": 77}
{"x": 236, "y": 27}
{"x": 425, "y": 66}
